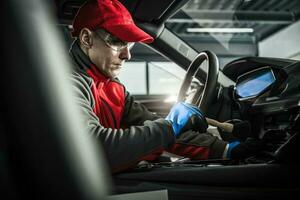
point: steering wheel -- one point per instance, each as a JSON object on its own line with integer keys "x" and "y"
{"x": 203, "y": 102}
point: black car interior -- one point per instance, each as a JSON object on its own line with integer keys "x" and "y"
{"x": 42, "y": 158}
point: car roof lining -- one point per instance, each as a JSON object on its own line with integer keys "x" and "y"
{"x": 143, "y": 11}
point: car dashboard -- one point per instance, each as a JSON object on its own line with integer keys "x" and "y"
{"x": 268, "y": 95}
{"x": 272, "y": 88}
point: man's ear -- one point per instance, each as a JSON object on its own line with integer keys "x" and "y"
{"x": 85, "y": 38}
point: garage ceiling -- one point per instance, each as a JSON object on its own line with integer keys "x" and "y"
{"x": 264, "y": 17}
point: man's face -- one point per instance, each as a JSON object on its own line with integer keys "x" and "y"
{"x": 108, "y": 53}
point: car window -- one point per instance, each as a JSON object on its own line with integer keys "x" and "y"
{"x": 133, "y": 76}
{"x": 165, "y": 78}
{"x": 152, "y": 77}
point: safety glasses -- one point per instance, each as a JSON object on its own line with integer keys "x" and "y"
{"x": 112, "y": 41}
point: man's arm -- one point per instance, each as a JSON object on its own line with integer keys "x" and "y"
{"x": 190, "y": 144}
{"x": 123, "y": 147}
{"x": 136, "y": 113}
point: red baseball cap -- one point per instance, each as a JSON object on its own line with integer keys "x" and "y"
{"x": 111, "y": 16}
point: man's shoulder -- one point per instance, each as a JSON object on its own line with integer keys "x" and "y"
{"x": 81, "y": 76}
{"x": 81, "y": 84}
{"x": 81, "y": 80}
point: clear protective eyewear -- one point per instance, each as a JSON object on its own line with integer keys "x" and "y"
{"x": 112, "y": 41}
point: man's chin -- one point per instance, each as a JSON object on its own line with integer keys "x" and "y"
{"x": 114, "y": 74}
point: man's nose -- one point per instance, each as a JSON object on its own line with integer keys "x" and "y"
{"x": 125, "y": 54}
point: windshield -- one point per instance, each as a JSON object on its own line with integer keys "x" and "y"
{"x": 239, "y": 28}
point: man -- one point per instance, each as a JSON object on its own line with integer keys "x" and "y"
{"x": 105, "y": 32}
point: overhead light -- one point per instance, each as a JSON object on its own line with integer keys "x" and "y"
{"x": 220, "y": 30}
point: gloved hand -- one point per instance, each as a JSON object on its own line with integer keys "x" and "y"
{"x": 184, "y": 116}
{"x": 231, "y": 146}
{"x": 241, "y": 150}
{"x": 240, "y": 132}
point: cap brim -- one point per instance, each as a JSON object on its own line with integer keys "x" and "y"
{"x": 129, "y": 33}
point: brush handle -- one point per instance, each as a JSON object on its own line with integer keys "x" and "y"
{"x": 227, "y": 127}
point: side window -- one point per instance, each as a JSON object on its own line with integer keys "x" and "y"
{"x": 152, "y": 78}
{"x": 165, "y": 78}
{"x": 133, "y": 76}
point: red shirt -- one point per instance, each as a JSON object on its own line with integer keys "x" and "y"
{"x": 109, "y": 99}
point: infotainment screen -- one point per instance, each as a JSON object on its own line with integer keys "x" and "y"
{"x": 255, "y": 83}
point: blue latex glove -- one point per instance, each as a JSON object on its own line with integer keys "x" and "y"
{"x": 231, "y": 146}
{"x": 184, "y": 116}
{"x": 241, "y": 150}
